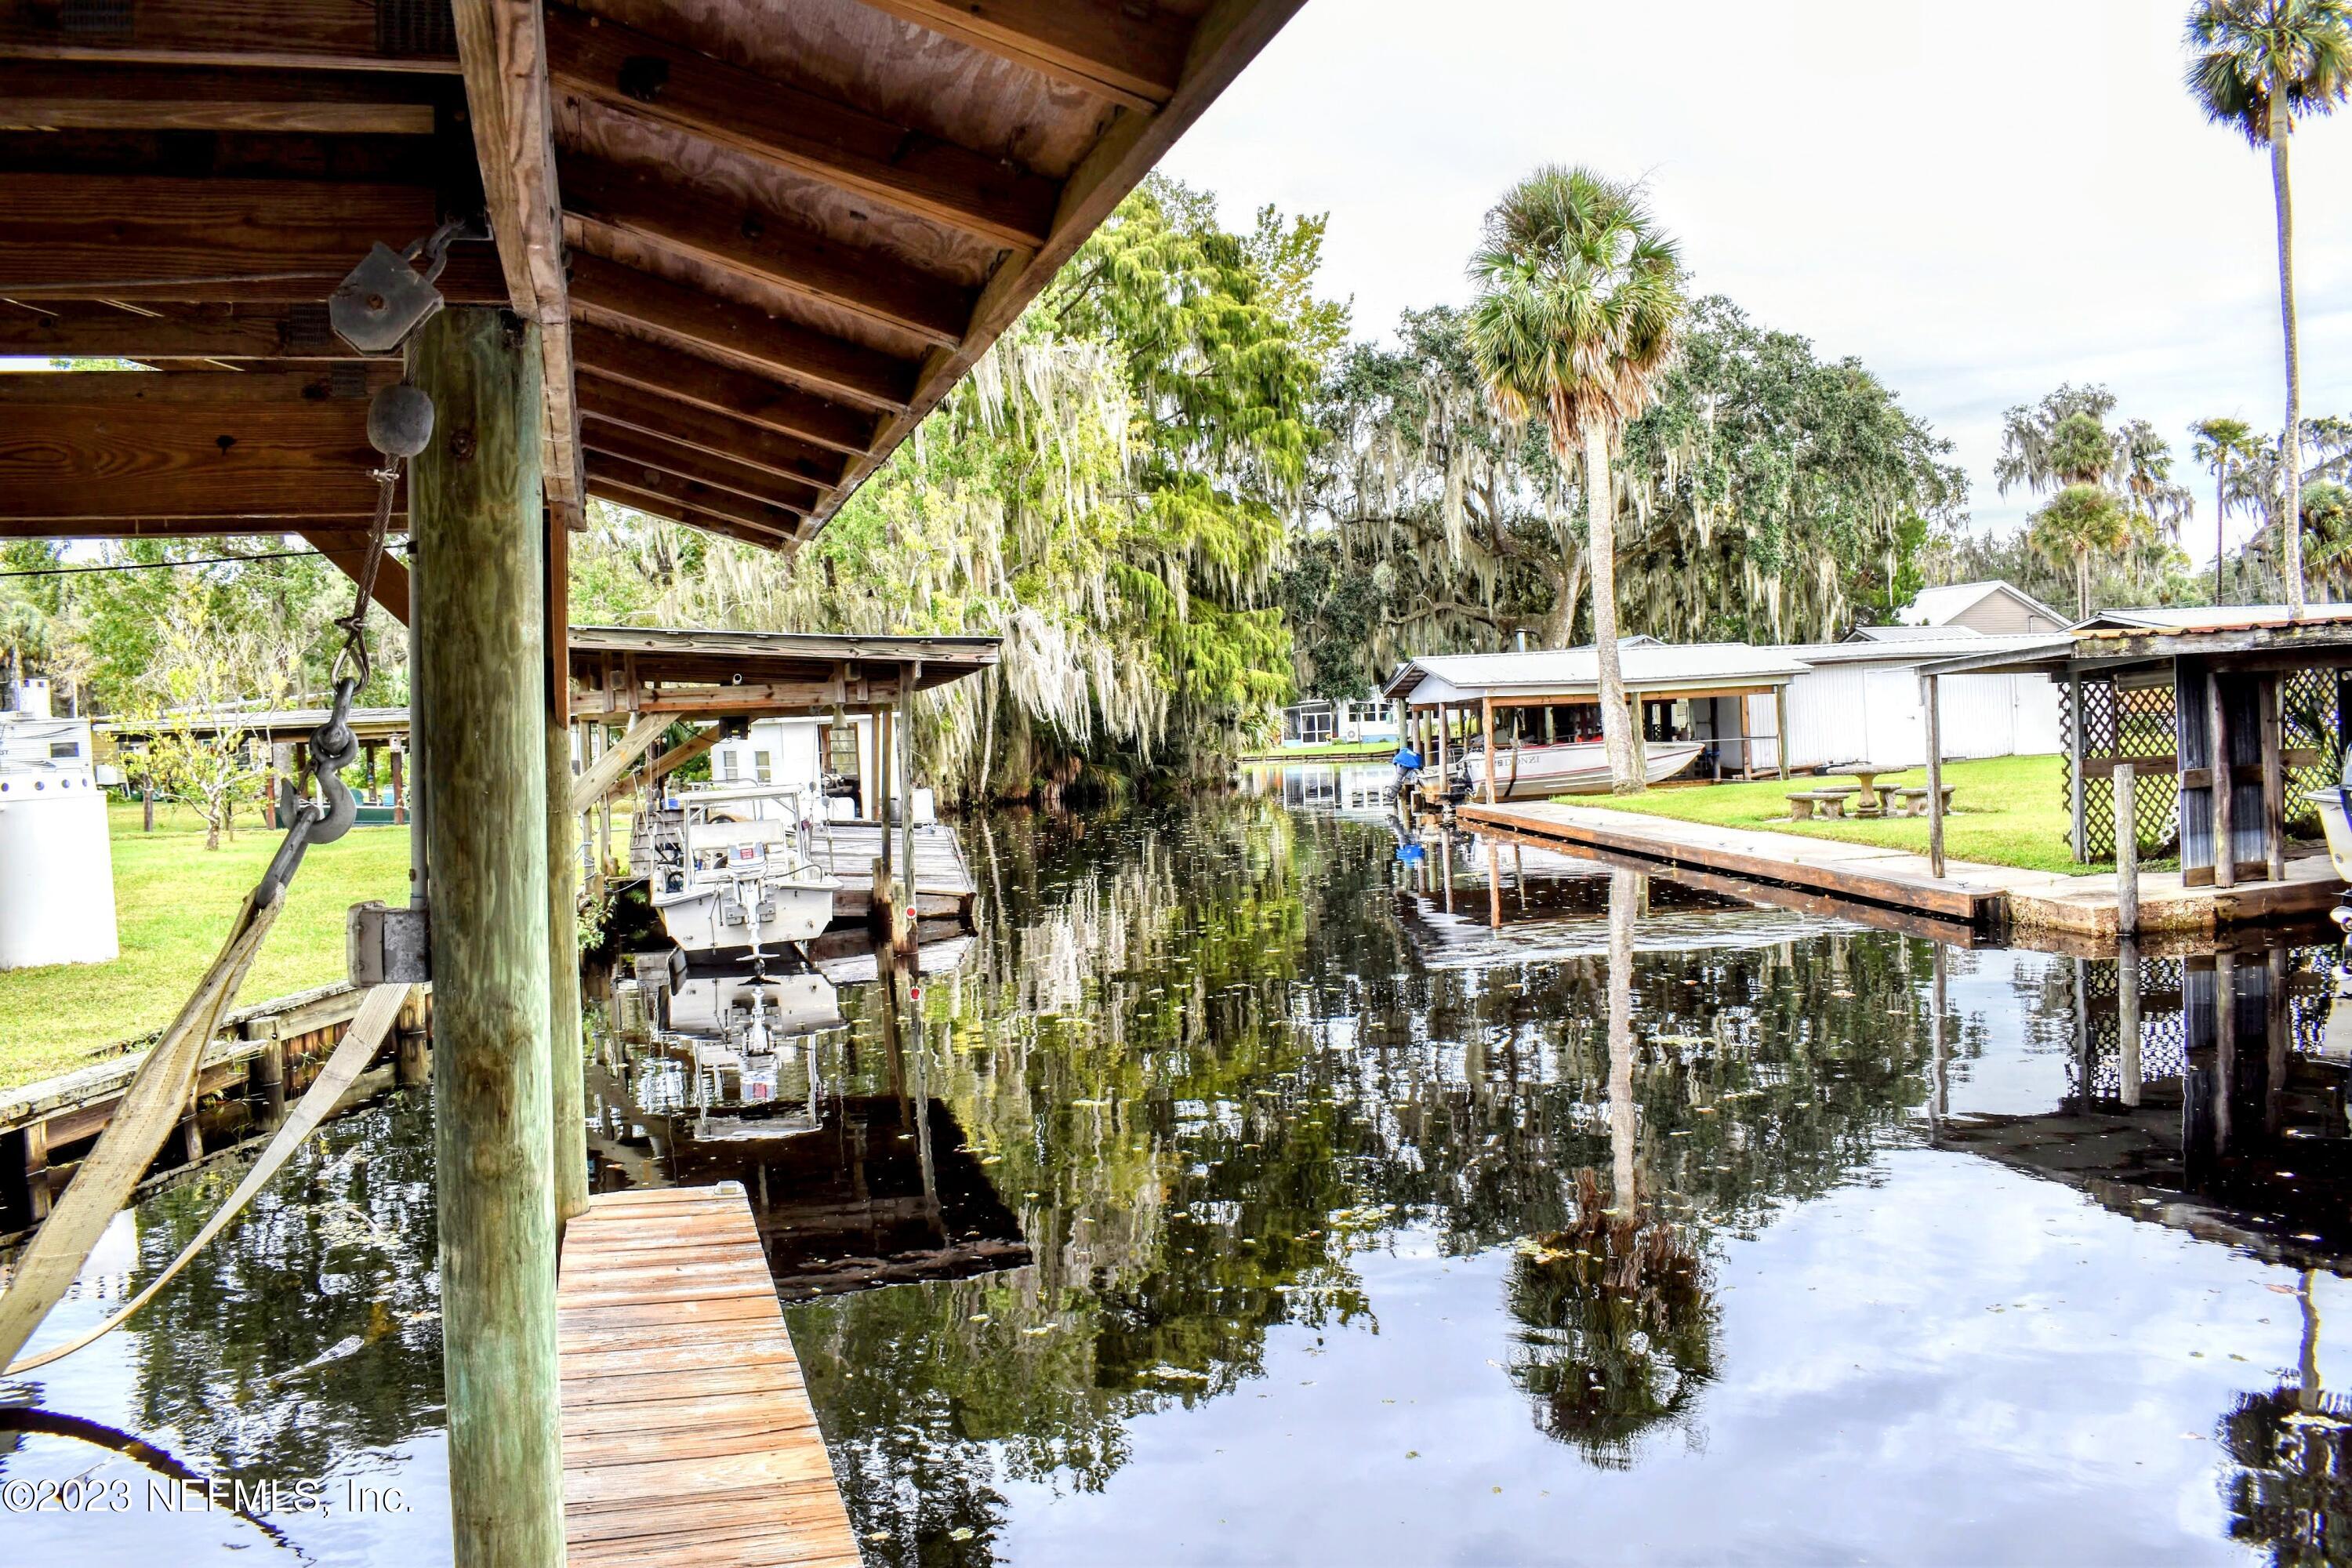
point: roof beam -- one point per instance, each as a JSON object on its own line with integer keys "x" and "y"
{"x": 635, "y": 447}
{"x": 221, "y": 447}
{"x": 797, "y": 129}
{"x": 686, "y": 517}
{"x": 720, "y": 388}
{"x": 693, "y": 504}
{"x": 331, "y": 35}
{"x": 74, "y": 330}
{"x": 705, "y": 431}
{"x": 110, "y": 236}
{"x": 833, "y": 365}
{"x": 754, "y": 244}
{"x": 1129, "y": 54}
{"x": 504, "y": 53}
{"x": 74, "y": 96}
{"x": 348, "y": 552}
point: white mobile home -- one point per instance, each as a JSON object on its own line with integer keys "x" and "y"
{"x": 837, "y": 760}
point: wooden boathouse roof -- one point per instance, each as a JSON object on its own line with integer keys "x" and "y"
{"x": 1573, "y": 674}
{"x": 2239, "y": 634}
{"x": 761, "y": 240}
{"x": 621, "y": 670}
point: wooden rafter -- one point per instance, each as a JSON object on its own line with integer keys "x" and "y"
{"x": 83, "y": 330}
{"x": 1130, "y": 54}
{"x": 71, "y": 95}
{"x": 331, "y": 35}
{"x": 349, "y": 554}
{"x": 219, "y": 446}
{"x": 628, "y": 446}
{"x": 833, "y": 366}
{"x": 72, "y": 237}
{"x": 670, "y": 511}
{"x": 793, "y": 129}
{"x": 599, "y": 196}
{"x": 676, "y": 375}
{"x": 637, "y": 480}
{"x": 703, "y": 430}
{"x": 504, "y": 52}
{"x": 1227, "y": 37}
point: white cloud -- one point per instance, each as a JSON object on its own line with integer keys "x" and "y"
{"x": 1978, "y": 201}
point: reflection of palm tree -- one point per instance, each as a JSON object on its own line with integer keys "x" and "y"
{"x": 1620, "y": 1041}
{"x": 2291, "y": 1495}
{"x": 1620, "y": 1327}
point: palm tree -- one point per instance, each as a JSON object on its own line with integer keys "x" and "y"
{"x": 2081, "y": 522}
{"x": 1579, "y": 301}
{"x": 2223, "y": 446}
{"x": 2255, "y": 64}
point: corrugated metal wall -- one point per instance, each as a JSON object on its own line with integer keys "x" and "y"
{"x": 1851, "y": 712}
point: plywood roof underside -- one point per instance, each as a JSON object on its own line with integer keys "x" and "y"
{"x": 760, "y": 240}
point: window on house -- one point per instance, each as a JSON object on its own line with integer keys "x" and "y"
{"x": 729, "y": 764}
{"x": 844, "y": 744}
{"x": 761, "y": 768}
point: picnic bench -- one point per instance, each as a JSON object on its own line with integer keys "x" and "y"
{"x": 1806, "y": 803}
{"x": 1912, "y": 800}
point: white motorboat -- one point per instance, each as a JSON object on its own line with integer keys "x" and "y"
{"x": 729, "y": 869}
{"x": 1567, "y": 767}
{"x": 2337, "y": 823}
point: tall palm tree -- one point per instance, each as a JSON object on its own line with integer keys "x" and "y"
{"x": 1580, "y": 302}
{"x": 2079, "y": 523}
{"x": 2257, "y": 65}
{"x": 2223, "y": 446}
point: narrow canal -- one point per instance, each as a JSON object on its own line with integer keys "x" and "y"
{"x": 1252, "y": 1192}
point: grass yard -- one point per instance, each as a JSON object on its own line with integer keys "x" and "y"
{"x": 173, "y": 904}
{"x": 2007, "y": 811}
{"x": 1343, "y": 751}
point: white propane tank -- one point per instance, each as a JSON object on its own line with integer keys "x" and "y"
{"x": 56, "y": 868}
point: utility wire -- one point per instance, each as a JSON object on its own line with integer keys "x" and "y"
{"x": 164, "y": 566}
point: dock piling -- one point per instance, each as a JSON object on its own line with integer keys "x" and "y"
{"x": 474, "y": 507}
{"x": 1934, "y": 707}
{"x": 2126, "y": 851}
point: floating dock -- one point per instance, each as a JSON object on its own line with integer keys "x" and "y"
{"x": 944, "y": 884}
{"x": 689, "y": 1437}
{"x": 1895, "y": 887}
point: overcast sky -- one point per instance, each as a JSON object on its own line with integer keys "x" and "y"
{"x": 1978, "y": 201}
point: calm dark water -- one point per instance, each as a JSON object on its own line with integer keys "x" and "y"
{"x": 1249, "y": 1194}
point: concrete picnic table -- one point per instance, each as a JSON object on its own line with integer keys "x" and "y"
{"x": 1869, "y": 804}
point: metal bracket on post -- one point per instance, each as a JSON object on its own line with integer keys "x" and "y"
{"x": 384, "y": 298}
{"x": 388, "y": 944}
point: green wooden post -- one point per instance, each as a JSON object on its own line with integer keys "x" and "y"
{"x": 567, "y": 1095}
{"x": 474, "y": 511}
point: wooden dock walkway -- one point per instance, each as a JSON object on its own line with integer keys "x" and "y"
{"x": 944, "y": 884}
{"x": 687, "y": 1434}
{"x": 1893, "y": 887}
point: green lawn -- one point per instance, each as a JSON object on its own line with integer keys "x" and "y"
{"x": 173, "y": 903}
{"x": 1349, "y": 749}
{"x": 2008, "y": 811}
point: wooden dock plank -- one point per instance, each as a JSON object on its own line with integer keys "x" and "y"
{"x": 688, "y": 1433}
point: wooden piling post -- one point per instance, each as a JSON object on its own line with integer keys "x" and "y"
{"x": 1934, "y": 704}
{"x": 37, "y": 1170}
{"x": 399, "y": 784}
{"x": 474, "y": 506}
{"x": 567, "y": 1091}
{"x": 2127, "y": 1068}
{"x": 147, "y": 808}
{"x": 1486, "y": 742}
{"x": 902, "y": 931}
{"x": 2126, "y": 850}
{"x": 1780, "y": 726}
{"x": 2266, "y": 707}
{"x": 2223, "y": 786}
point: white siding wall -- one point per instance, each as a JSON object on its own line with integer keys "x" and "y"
{"x": 1846, "y": 713}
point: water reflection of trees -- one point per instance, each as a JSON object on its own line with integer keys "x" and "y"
{"x": 1197, "y": 1057}
{"x": 312, "y": 1328}
{"x": 2291, "y": 1494}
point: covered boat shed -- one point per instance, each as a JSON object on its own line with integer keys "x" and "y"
{"x": 1722, "y": 694}
{"x": 2165, "y": 692}
{"x": 710, "y": 260}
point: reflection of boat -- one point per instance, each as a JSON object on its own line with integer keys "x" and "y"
{"x": 731, "y": 868}
{"x": 755, "y": 1014}
{"x": 1567, "y": 767}
{"x": 2335, "y": 806}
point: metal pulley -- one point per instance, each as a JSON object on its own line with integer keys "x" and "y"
{"x": 385, "y": 297}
